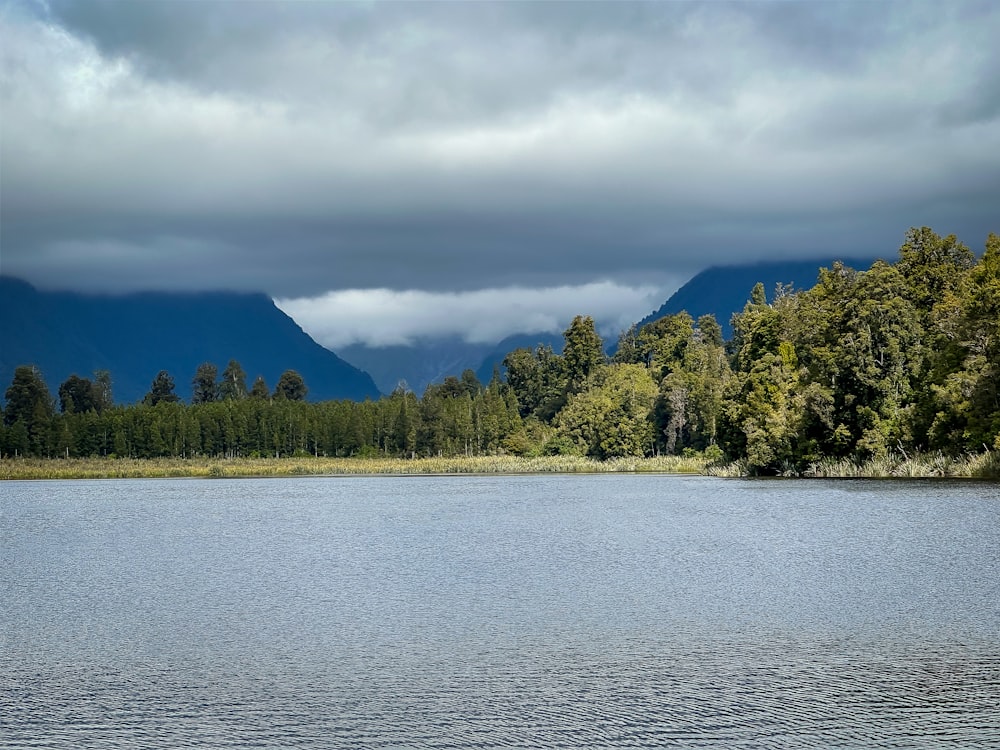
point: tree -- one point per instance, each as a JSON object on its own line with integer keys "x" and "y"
{"x": 583, "y": 352}
{"x": 627, "y": 352}
{"x": 538, "y": 381}
{"x": 77, "y": 395}
{"x": 161, "y": 390}
{"x": 611, "y": 418}
{"x": 471, "y": 383}
{"x": 29, "y": 404}
{"x": 204, "y": 388}
{"x": 691, "y": 401}
{"x": 662, "y": 343}
{"x": 260, "y": 390}
{"x": 233, "y": 385}
{"x": 291, "y": 386}
{"x": 103, "y": 398}
{"x": 932, "y": 265}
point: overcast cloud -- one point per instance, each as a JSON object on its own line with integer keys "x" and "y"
{"x": 506, "y": 163}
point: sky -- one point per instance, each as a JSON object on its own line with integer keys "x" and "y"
{"x": 394, "y": 171}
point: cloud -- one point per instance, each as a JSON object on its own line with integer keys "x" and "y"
{"x": 299, "y": 148}
{"x": 384, "y": 317}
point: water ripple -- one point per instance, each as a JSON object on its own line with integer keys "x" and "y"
{"x": 717, "y": 695}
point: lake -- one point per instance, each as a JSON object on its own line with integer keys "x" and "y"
{"x": 597, "y": 611}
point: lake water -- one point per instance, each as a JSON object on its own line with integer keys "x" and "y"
{"x": 495, "y": 612}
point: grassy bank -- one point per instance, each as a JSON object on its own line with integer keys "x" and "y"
{"x": 107, "y": 468}
{"x": 979, "y": 466}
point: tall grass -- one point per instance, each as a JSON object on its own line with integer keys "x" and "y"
{"x": 979, "y": 466}
{"x": 104, "y": 468}
{"x": 983, "y": 466}
{"x": 975, "y": 466}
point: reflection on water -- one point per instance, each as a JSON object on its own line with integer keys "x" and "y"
{"x": 499, "y": 612}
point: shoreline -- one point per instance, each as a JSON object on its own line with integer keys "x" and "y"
{"x": 927, "y": 466}
{"x": 223, "y": 468}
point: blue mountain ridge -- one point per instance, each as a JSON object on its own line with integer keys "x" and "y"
{"x": 724, "y": 290}
{"x": 135, "y": 336}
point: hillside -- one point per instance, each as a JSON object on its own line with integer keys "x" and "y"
{"x": 427, "y": 361}
{"x": 137, "y": 335}
{"x": 724, "y": 290}
{"x": 720, "y": 290}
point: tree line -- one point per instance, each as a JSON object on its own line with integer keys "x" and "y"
{"x": 903, "y": 356}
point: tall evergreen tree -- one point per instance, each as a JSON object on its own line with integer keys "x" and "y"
{"x": 103, "y": 396}
{"x": 29, "y": 404}
{"x": 161, "y": 390}
{"x": 204, "y": 385}
{"x": 583, "y": 352}
{"x": 233, "y": 385}
{"x": 291, "y": 386}
{"x": 77, "y": 395}
{"x": 260, "y": 390}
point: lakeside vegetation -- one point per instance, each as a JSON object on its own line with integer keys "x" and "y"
{"x": 890, "y": 371}
{"x": 982, "y": 466}
{"x": 121, "y": 468}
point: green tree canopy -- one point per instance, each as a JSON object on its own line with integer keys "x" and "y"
{"x": 161, "y": 390}
{"x": 102, "y": 390}
{"x": 291, "y": 386}
{"x": 77, "y": 395}
{"x": 233, "y": 385}
{"x": 583, "y": 352}
{"x": 612, "y": 417}
{"x": 260, "y": 391}
{"x": 204, "y": 385}
{"x": 29, "y": 409}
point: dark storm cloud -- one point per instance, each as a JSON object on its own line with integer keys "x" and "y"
{"x": 305, "y": 148}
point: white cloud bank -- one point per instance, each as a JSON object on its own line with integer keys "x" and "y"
{"x": 386, "y": 317}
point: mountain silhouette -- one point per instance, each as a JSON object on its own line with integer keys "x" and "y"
{"x": 135, "y": 336}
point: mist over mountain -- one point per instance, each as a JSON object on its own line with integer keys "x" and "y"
{"x": 720, "y": 291}
{"x": 427, "y": 361}
{"x": 135, "y": 336}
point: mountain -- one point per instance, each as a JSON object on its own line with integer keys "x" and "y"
{"x": 427, "y": 361}
{"x": 724, "y": 290}
{"x": 432, "y": 360}
{"x": 720, "y": 290}
{"x": 135, "y": 336}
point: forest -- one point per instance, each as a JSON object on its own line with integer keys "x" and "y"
{"x": 902, "y": 357}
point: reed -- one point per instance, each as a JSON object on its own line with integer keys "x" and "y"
{"x": 896, "y": 465}
{"x": 976, "y": 466}
{"x": 109, "y": 468}
{"x": 980, "y": 466}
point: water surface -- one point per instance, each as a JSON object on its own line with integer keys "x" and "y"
{"x": 541, "y": 611}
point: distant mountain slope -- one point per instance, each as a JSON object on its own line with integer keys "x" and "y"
{"x": 135, "y": 336}
{"x": 427, "y": 361}
{"x": 432, "y": 360}
{"x": 724, "y": 290}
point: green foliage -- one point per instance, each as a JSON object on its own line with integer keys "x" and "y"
{"x": 204, "y": 385}
{"x": 233, "y": 384}
{"x": 161, "y": 390}
{"x": 863, "y": 368}
{"x": 260, "y": 389}
{"x": 291, "y": 386}
{"x": 583, "y": 352}
{"x": 28, "y": 412}
{"x": 611, "y": 417}
{"x": 78, "y": 395}
{"x": 538, "y": 381}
